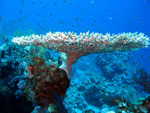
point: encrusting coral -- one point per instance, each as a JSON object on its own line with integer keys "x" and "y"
{"x": 74, "y": 46}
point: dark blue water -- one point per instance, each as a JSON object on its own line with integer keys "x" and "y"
{"x": 76, "y": 15}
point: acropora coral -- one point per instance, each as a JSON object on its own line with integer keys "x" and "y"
{"x": 74, "y": 46}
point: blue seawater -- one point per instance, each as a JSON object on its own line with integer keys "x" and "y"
{"x": 114, "y": 82}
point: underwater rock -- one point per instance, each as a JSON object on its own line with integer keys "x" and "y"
{"x": 114, "y": 63}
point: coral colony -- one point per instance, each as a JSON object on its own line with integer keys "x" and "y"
{"x": 45, "y": 78}
{"x": 74, "y": 46}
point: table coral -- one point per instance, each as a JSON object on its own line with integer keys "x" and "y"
{"x": 75, "y": 46}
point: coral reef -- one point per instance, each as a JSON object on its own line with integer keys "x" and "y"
{"x": 11, "y": 66}
{"x": 36, "y": 71}
{"x": 45, "y": 83}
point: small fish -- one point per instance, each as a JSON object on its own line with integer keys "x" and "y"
{"x": 141, "y": 56}
{"x": 20, "y": 12}
{"x": 81, "y": 12}
{"x": 22, "y": 1}
{"x": 121, "y": 65}
{"x": 33, "y": 3}
{"x": 38, "y": 24}
{"x": 38, "y": 14}
{"x": 87, "y": 29}
{"x": 19, "y": 19}
{"x": 132, "y": 8}
{"x": 56, "y": 28}
{"x": 50, "y": 14}
{"x": 72, "y": 25}
{"x": 60, "y": 22}
{"x": 107, "y": 10}
{"x": 55, "y": 3}
{"x": 65, "y": 1}
{"x": 94, "y": 21}
{"x": 4, "y": 28}
{"x": 76, "y": 18}
{"x": 134, "y": 18}
{"x": 43, "y": 21}
{"x": 24, "y": 17}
